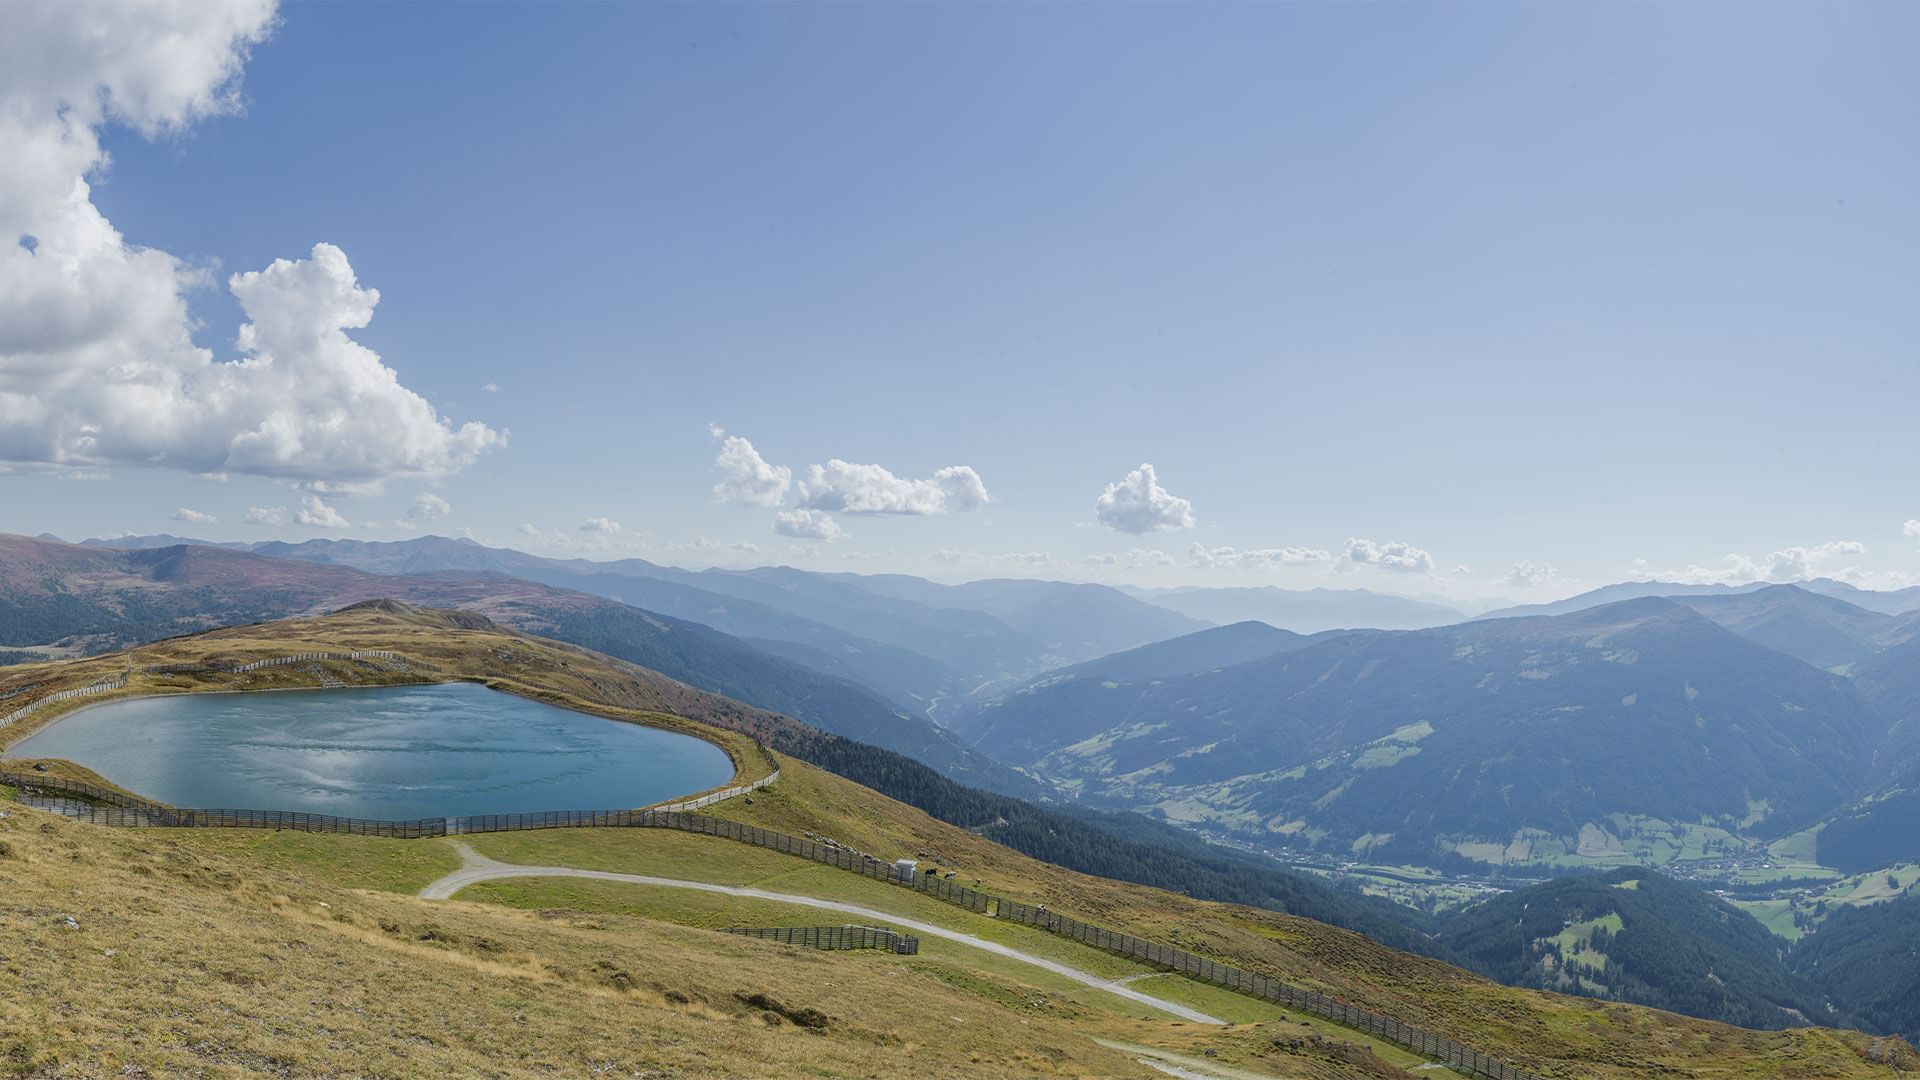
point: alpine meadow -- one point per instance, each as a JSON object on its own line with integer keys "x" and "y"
{"x": 1311, "y": 541}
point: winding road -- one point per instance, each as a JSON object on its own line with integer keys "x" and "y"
{"x": 479, "y": 868}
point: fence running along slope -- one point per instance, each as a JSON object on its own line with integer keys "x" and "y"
{"x": 834, "y": 937}
{"x": 64, "y": 695}
{"x": 124, "y": 810}
{"x": 119, "y": 683}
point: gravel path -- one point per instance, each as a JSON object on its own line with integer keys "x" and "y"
{"x": 479, "y": 868}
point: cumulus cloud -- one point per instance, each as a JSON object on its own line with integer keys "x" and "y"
{"x": 194, "y": 517}
{"x": 746, "y": 477}
{"x": 600, "y": 525}
{"x": 267, "y": 515}
{"x": 1528, "y": 574}
{"x": 1392, "y": 555}
{"x": 427, "y": 507}
{"x": 805, "y": 524}
{"x": 97, "y": 361}
{"x": 849, "y": 488}
{"x": 1787, "y": 564}
{"x": 1231, "y": 558}
{"x": 318, "y": 514}
{"x": 1138, "y": 505}
{"x": 490, "y": 388}
{"x": 1797, "y": 563}
{"x": 1911, "y": 530}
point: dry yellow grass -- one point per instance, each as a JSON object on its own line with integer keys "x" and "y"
{"x": 190, "y": 962}
{"x": 224, "y": 960}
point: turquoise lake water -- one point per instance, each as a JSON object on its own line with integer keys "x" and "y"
{"x": 386, "y": 752}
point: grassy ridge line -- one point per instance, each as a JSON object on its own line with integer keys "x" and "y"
{"x": 422, "y": 666}
{"x": 1583, "y": 1039}
{"x": 469, "y": 646}
{"x": 265, "y": 973}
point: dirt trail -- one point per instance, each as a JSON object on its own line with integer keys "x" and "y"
{"x": 479, "y": 868}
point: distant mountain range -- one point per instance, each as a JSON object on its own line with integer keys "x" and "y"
{"x": 1304, "y": 611}
{"x": 1339, "y": 719}
{"x": 93, "y": 598}
{"x": 915, "y": 642}
{"x": 1893, "y": 602}
{"x": 1504, "y": 739}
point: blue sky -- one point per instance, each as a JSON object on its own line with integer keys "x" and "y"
{"x": 1555, "y": 288}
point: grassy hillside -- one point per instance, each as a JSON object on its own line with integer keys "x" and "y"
{"x": 264, "y": 972}
{"x": 1554, "y": 1034}
{"x": 1120, "y": 846}
{"x": 231, "y": 930}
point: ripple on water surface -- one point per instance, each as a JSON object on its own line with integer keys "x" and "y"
{"x": 386, "y": 752}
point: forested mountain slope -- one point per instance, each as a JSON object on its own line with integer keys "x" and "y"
{"x": 1633, "y": 935}
{"x": 1504, "y": 732}
{"x": 1869, "y": 957}
{"x": 1071, "y": 703}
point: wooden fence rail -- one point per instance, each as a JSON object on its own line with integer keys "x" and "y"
{"x": 65, "y": 695}
{"x": 834, "y": 937}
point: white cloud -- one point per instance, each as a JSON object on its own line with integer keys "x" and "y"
{"x": 707, "y": 546}
{"x": 747, "y": 478}
{"x": 1132, "y": 560}
{"x": 86, "y": 474}
{"x": 267, "y": 515}
{"x": 850, "y": 488}
{"x": 97, "y": 360}
{"x": 807, "y": 524}
{"x": 1527, "y": 574}
{"x": 490, "y": 388}
{"x": 1138, "y": 505}
{"x": 597, "y": 534}
{"x": 1393, "y": 555}
{"x": 1786, "y": 564}
{"x": 1911, "y": 530}
{"x": 1012, "y": 560}
{"x": 1230, "y": 558}
{"x": 194, "y": 517}
{"x": 428, "y": 506}
{"x": 1797, "y": 563}
{"x": 318, "y": 514}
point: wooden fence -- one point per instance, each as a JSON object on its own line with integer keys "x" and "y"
{"x": 299, "y": 658}
{"x": 64, "y": 695}
{"x": 1438, "y": 1047}
{"x": 116, "y": 684}
{"x": 123, "y": 810}
{"x": 834, "y": 937}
